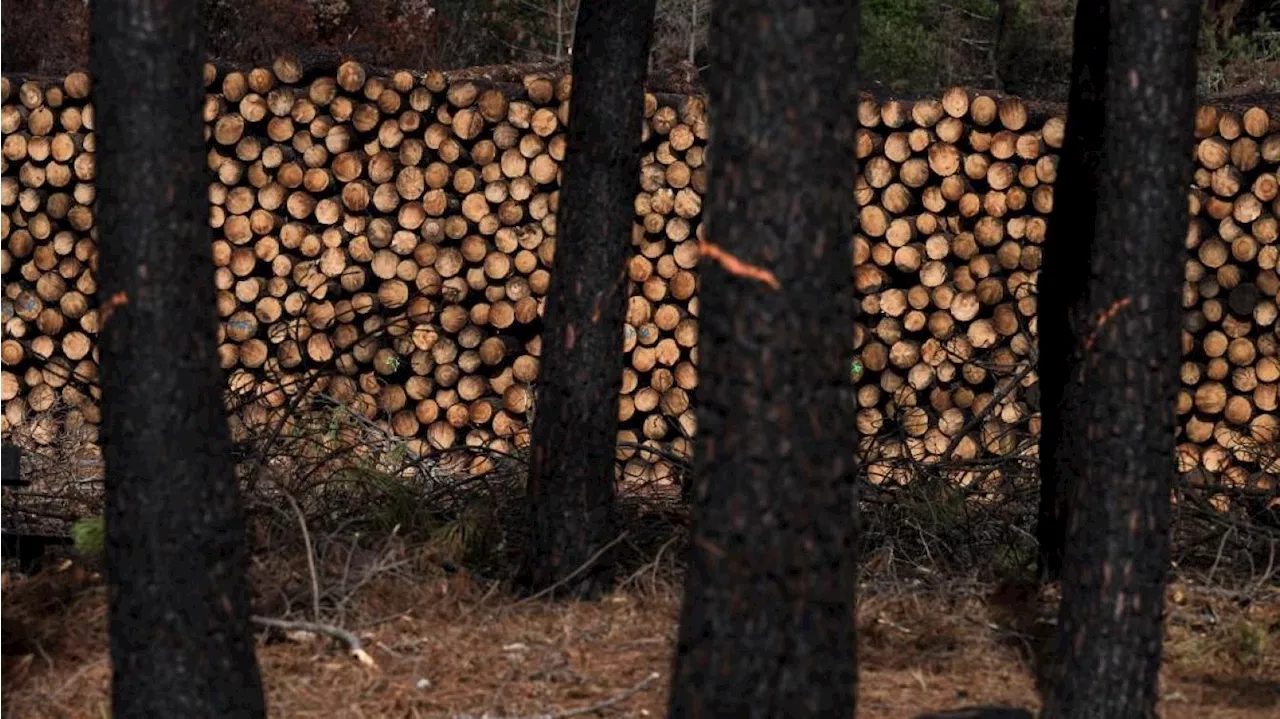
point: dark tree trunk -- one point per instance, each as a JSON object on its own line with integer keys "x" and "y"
{"x": 571, "y": 478}
{"x": 177, "y": 560}
{"x": 1115, "y": 449}
{"x": 767, "y": 627}
{"x": 1006, "y": 18}
{"x": 1063, "y": 284}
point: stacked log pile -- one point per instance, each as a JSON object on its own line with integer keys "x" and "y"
{"x": 953, "y": 199}
{"x": 1231, "y": 368}
{"x": 407, "y": 226}
{"x": 395, "y": 233}
{"x": 48, "y": 256}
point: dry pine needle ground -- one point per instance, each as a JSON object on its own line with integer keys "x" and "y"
{"x": 452, "y": 647}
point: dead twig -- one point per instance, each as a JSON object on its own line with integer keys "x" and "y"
{"x": 1218, "y": 557}
{"x": 1271, "y": 566}
{"x": 582, "y": 568}
{"x": 351, "y": 641}
{"x": 651, "y": 566}
{"x": 493, "y": 587}
{"x": 311, "y": 558}
{"x": 991, "y": 406}
{"x": 610, "y": 701}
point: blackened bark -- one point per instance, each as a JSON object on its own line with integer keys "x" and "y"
{"x": 177, "y": 558}
{"x": 571, "y": 477}
{"x": 1118, "y": 414}
{"x": 1067, "y": 251}
{"x": 767, "y": 626}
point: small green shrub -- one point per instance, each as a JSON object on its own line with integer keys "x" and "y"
{"x": 901, "y": 43}
{"x": 89, "y": 537}
{"x": 1231, "y": 61}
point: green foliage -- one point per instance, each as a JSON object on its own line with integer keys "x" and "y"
{"x": 468, "y": 539}
{"x": 464, "y": 532}
{"x": 1246, "y": 61}
{"x": 1036, "y": 60}
{"x": 901, "y": 43}
{"x": 1252, "y": 641}
{"x": 89, "y": 537}
{"x": 388, "y": 501}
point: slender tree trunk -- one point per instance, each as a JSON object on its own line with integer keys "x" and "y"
{"x": 577, "y": 10}
{"x": 559, "y": 29}
{"x": 1006, "y": 15}
{"x": 767, "y": 627}
{"x": 1068, "y": 249}
{"x": 1116, "y": 442}
{"x": 571, "y": 480}
{"x": 177, "y": 557}
{"x": 693, "y": 28}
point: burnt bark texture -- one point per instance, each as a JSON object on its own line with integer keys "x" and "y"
{"x": 571, "y": 479}
{"x": 1114, "y": 455}
{"x": 1064, "y": 282}
{"x": 177, "y": 558}
{"x": 767, "y": 624}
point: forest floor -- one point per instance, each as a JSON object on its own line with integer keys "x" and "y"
{"x": 937, "y": 630}
{"x": 452, "y": 646}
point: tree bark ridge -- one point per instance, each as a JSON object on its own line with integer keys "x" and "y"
{"x": 1116, "y": 451}
{"x": 571, "y": 478}
{"x": 767, "y": 626}
{"x": 177, "y": 554}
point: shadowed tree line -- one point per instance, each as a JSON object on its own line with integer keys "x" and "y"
{"x": 1018, "y": 46}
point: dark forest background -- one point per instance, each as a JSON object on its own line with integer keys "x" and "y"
{"x": 1017, "y": 46}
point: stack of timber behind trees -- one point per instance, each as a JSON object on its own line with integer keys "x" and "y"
{"x": 396, "y": 232}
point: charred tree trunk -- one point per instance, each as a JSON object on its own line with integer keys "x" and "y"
{"x": 1068, "y": 250}
{"x": 177, "y": 557}
{"x": 1117, "y": 417}
{"x": 767, "y": 625}
{"x": 571, "y": 481}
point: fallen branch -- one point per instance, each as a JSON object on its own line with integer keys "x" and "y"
{"x": 1032, "y": 362}
{"x": 311, "y": 555}
{"x": 610, "y": 701}
{"x": 351, "y": 641}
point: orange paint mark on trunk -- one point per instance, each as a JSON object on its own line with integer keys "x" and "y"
{"x": 710, "y": 548}
{"x": 735, "y": 266}
{"x": 119, "y": 299}
{"x": 1103, "y": 318}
